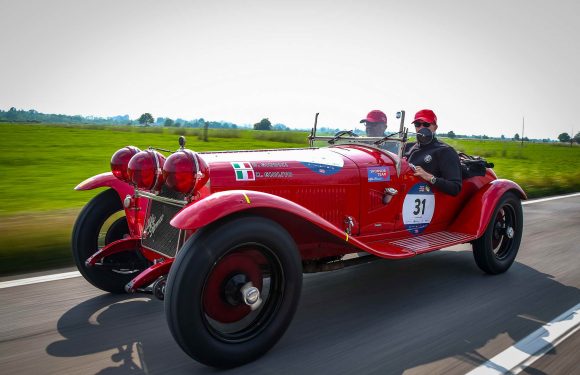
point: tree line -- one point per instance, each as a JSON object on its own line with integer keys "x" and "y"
{"x": 147, "y": 119}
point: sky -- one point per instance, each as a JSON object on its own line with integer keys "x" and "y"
{"x": 482, "y": 66}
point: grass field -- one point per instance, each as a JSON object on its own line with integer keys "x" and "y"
{"x": 40, "y": 165}
{"x": 539, "y": 168}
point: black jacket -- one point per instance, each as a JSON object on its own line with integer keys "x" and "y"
{"x": 440, "y": 160}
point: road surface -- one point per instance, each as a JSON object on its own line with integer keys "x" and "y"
{"x": 435, "y": 314}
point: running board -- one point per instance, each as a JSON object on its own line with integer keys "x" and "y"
{"x": 431, "y": 241}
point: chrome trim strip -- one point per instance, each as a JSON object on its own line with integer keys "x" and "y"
{"x": 173, "y": 202}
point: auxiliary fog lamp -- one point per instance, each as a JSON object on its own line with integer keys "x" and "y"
{"x": 120, "y": 161}
{"x": 185, "y": 172}
{"x": 145, "y": 170}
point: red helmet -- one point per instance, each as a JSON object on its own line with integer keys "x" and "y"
{"x": 375, "y": 116}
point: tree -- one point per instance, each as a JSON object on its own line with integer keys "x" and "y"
{"x": 168, "y": 122}
{"x": 502, "y": 137}
{"x": 516, "y": 137}
{"x": 264, "y": 124}
{"x": 564, "y": 137}
{"x": 577, "y": 138}
{"x": 451, "y": 134}
{"x": 526, "y": 139}
{"x": 12, "y": 114}
{"x": 146, "y": 119}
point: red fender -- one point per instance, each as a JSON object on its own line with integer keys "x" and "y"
{"x": 119, "y": 246}
{"x": 219, "y": 205}
{"x": 216, "y": 206}
{"x": 149, "y": 275}
{"x": 106, "y": 179}
{"x": 476, "y": 214}
{"x": 135, "y": 212}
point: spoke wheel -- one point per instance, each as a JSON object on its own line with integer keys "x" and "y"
{"x": 232, "y": 290}
{"x": 496, "y": 249}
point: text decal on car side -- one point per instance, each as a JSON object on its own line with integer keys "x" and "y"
{"x": 378, "y": 174}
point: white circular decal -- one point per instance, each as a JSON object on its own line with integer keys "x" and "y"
{"x": 418, "y": 208}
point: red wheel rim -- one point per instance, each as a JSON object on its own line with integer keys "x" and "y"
{"x": 216, "y": 306}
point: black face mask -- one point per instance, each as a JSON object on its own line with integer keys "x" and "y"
{"x": 424, "y": 136}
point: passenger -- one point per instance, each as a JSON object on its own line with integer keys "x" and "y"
{"x": 435, "y": 162}
{"x": 375, "y": 123}
{"x": 375, "y": 126}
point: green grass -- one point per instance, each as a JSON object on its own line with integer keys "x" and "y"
{"x": 539, "y": 168}
{"x": 36, "y": 241}
{"x": 40, "y": 165}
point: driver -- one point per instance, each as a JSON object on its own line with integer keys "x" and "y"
{"x": 435, "y": 162}
{"x": 375, "y": 123}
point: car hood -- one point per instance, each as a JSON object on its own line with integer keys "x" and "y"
{"x": 245, "y": 169}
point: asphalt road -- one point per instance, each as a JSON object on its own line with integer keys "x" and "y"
{"x": 435, "y": 314}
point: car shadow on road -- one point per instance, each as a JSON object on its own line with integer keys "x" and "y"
{"x": 434, "y": 314}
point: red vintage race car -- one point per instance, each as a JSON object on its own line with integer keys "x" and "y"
{"x": 224, "y": 237}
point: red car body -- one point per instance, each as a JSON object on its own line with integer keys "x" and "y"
{"x": 333, "y": 201}
{"x": 309, "y": 200}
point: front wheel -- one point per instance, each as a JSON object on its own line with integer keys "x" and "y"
{"x": 101, "y": 222}
{"x": 233, "y": 290}
{"x": 496, "y": 249}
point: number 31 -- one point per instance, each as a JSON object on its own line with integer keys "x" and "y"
{"x": 418, "y": 208}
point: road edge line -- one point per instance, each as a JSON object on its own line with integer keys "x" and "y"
{"x": 551, "y": 198}
{"x": 531, "y": 348}
{"x": 39, "y": 279}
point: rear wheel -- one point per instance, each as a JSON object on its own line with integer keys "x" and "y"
{"x": 233, "y": 290}
{"x": 496, "y": 249}
{"x": 101, "y": 222}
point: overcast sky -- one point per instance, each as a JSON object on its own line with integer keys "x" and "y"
{"x": 480, "y": 65}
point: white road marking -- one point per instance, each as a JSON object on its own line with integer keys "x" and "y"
{"x": 551, "y": 198}
{"x": 39, "y": 279}
{"x": 522, "y": 354}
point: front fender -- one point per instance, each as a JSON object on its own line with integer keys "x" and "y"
{"x": 216, "y": 206}
{"x": 476, "y": 214}
{"x": 106, "y": 179}
{"x": 135, "y": 212}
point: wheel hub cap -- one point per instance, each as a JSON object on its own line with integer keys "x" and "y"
{"x": 509, "y": 232}
{"x": 251, "y": 296}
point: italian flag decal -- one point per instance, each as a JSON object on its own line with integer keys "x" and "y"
{"x": 243, "y": 171}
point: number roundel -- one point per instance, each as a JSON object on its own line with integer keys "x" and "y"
{"x": 418, "y": 208}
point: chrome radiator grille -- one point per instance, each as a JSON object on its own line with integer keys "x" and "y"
{"x": 158, "y": 234}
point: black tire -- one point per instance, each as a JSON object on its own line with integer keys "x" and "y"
{"x": 204, "y": 320}
{"x": 496, "y": 249}
{"x": 101, "y": 222}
